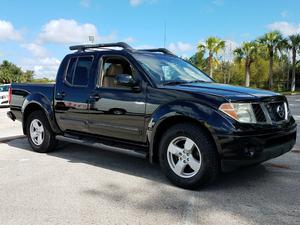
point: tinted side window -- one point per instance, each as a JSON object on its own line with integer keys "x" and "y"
{"x": 82, "y": 71}
{"x": 70, "y": 71}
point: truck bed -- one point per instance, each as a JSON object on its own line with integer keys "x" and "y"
{"x": 20, "y": 91}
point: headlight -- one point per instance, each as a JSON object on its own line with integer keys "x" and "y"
{"x": 242, "y": 112}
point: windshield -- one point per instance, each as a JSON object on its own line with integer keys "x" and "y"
{"x": 166, "y": 69}
{"x": 4, "y": 88}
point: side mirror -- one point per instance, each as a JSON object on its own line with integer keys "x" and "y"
{"x": 126, "y": 80}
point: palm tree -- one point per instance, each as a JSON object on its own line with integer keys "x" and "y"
{"x": 213, "y": 45}
{"x": 246, "y": 52}
{"x": 271, "y": 41}
{"x": 294, "y": 45}
{"x": 284, "y": 57}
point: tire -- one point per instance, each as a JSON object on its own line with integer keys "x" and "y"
{"x": 39, "y": 133}
{"x": 195, "y": 162}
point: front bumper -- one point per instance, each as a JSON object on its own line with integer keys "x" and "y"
{"x": 243, "y": 150}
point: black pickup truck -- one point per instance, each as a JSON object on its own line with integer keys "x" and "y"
{"x": 153, "y": 104}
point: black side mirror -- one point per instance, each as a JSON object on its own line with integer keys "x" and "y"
{"x": 126, "y": 80}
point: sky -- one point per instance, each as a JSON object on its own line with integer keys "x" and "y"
{"x": 35, "y": 35}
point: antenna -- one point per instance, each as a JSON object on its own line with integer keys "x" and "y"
{"x": 165, "y": 33}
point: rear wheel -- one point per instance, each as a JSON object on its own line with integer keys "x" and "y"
{"x": 188, "y": 156}
{"x": 39, "y": 132}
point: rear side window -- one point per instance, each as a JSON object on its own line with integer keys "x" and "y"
{"x": 70, "y": 71}
{"x": 79, "y": 70}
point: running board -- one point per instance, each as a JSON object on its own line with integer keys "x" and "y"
{"x": 95, "y": 144}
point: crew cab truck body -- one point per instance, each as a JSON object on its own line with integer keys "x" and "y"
{"x": 152, "y": 104}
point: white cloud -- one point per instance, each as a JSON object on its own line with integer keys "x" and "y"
{"x": 8, "y": 32}
{"x": 42, "y": 67}
{"x": 35, "y": 49}
{"x": 66, "y": 32}
{"x": 63, "y": 31}
{"x": 181, "y": 47}
{"x": 285, "y": 27}
{"x": 41, "y": 63}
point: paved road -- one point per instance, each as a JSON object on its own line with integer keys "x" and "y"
{"x": 80, "y": 185}
{"x": 294, "y": 103}
{"x": 7, "y": 127}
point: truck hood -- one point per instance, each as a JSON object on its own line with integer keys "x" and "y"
{"x": 223, "y": 90}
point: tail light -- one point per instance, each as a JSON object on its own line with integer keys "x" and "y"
{"x": 9, "y": 95}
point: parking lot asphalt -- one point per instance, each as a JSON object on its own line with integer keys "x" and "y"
{"x": 81, "y": 185}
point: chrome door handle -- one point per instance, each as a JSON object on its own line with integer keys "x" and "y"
{"x": 95, "y": 97}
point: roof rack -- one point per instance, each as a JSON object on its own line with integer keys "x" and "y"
{"x": 82, "y": 48}
{"x": 162, "y": 50}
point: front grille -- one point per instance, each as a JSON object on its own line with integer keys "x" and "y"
{"x": 272, "y": 112}
{"x": 277, "y": 111}
{"x": 259, "y": 113}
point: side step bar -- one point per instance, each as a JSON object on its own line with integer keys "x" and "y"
{"x": 93, "y": 143}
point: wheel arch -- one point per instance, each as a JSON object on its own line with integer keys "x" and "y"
{"x": 38, "y": 102}
{"x": 162, "y": 121}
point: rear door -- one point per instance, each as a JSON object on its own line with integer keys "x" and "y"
{"x": 73, "y": 92}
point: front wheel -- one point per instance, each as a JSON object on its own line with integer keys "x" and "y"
{"x": 39, "y": 132}
{"x": 188, "y": 156}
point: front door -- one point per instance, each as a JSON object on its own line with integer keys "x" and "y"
{"x": 117, "y": 111}
{"x": 72, "y": 94}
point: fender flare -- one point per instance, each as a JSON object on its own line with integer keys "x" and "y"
{"x": 42, "y": 102}
{"x": 207, "y": 116}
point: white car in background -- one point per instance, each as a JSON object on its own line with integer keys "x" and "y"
{"x": 4, "y": 94}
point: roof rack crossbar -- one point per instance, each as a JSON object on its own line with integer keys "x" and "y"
{"x": 82, "y": 48}
{"x": 162, "y": 50}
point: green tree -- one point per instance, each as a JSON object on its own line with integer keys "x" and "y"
{"x": 27, "y": 76}
{"x": 213, "y": 46}
{"x": 294, "y": 44}
{"x": 198, "y": 60}
{"x": 246, "y": 53}
{"x": 10, "y": 73}
{"x": 271, "y": 41}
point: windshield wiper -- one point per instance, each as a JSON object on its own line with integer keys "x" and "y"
{"x": 174, "y": 82}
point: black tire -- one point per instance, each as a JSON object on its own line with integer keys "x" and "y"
{"x": 209, "y": 168}
{"x": 49, "y": 140}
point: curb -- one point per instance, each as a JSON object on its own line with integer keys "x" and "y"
{"x": 7, "y": 139}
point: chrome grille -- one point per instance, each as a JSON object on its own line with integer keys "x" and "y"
{"x": 277, "y": 111}
{"x": 273, "y": 112}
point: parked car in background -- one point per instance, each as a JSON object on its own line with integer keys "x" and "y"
{"x": 4, "y": 94}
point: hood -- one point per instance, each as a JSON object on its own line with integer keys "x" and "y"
{"x": 223, "y": 90}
